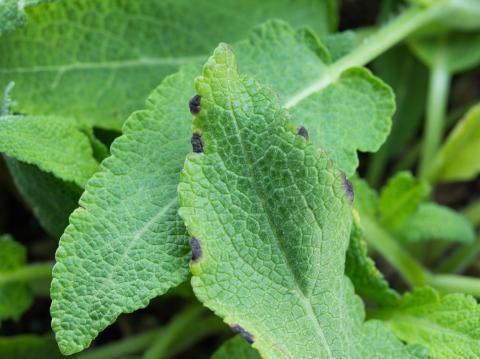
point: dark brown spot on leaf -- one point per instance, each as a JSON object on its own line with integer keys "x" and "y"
{"x": 243, "y": 333}
{"x": 197, "y": 143}
{"x": 302, "y": 131}
{"x": 348, "y": 187}
{"x": 196, "y": 249}
{"x": 194, "y": 104}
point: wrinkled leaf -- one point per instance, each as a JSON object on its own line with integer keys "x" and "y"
{"x": 271, "y": 221}
{"x": 237, "y": 348}
{"x": 12, "y": 13}
{"x": 434, "y": 222}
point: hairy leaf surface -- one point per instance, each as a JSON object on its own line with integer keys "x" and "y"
{"x": 447, "y": 326}
{"x": 98, "y": 60}
{"x": 434, "y": 222}
{"x": 15, "y": 298}
{"x": 237, "y": 348}
{"x": 271, "y": 220}
{"x": 12, "y": 13}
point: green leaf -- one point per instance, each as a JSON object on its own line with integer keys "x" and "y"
{"x": 15, "y": 298}
{"x": 56, "y": 145}
{"x": 457, "y": 159}
{"x": 447, "y": 326}
{"x": 400, "y": 199}
{"x": 349, "y": 113}
{"x": 434, "y": 222}
{"x": 366, "y": 278}
{"x": 126, "y": 244}
{"x": 98, "y": 61}
{"x": 340, "y": 44}
{"x": 12, "y": 13}
{"x": 29, "y": 347}
{"x": 271, "y": 220}
{"x": 51, "y": 199}
{"x": 236, "y": 348}
{"x": 366, "y": 199}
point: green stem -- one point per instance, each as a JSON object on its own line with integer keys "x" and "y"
{"x": 436, "y": 112}
{"x": 387, "y": 36}
{"x": 451, "y": 283}
{"x": 377, "y": 166}
{"x": 28, "y": 273}
{"x": 459, "y": 261}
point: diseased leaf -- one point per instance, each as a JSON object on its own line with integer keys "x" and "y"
{"x": 126, "y": 244}
{"x": 97, "y": 61}
{"x": 29, "y": 347}
{"x": 56, "y": 145}
{"x": 434, "y": 222}
{"x": 360, "y": 268}
{"x": 237, "y": 348}
{"x": 271, "y": 219}
{"x": 401, "y": 198}
{"x": 51, "y": 199}
{"x": 447, "y": 326}
{"x": 15, "y": 298}
{"x": 457, "y": 159}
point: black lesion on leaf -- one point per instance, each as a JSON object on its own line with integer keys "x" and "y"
{"x": 347, "y": 185}
{"x": 197, "y": 143}
{"x": 196, "y": 249}
{"x": 302, "y": 131}
{"x": 194, "y": 104}
{"x": 243, "y": 333}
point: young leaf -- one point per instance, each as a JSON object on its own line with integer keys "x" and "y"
{"x": 237, "y": 348}
{"x": 15, "y": 298}
{"x": 447, "y": 326}
{"x": 29, "y": 347}
{"x": 270, "y": 217}
{"x": 56, "y": 145}
{"x": 360, "y": 268}
{"x": 51, "y": 199}
{"x": 98, "y": 61}
{"x": 458, "y": 158}
{"x": 434, "y": 222}
{"x": 401, "y": 198}
{"x": 126, "y": 244}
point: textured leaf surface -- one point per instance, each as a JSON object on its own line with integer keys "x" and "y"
{"x": 350, "y": 113}
{"x": 126, "y": 244}
{"x": 12, "y": 13}
{"x": 272, "y": 220}
{"x": 400, "y": 199}
{"x": 458, "y": 158}
{"x": 447, "y": 326}
{"x": 54, "y": 144}
{"x": 360, "y": 268}
{"x": 51, "y": 199}
{"x": 237, "y": 348}
{"x": 434, "y": 222}
{"x": 15, "y": 298}
{"x": 29, "y": 347}
{"x": 98, "y": 60}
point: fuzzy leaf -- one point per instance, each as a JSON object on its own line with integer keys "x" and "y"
{"x": 400, "y": 199}
{"x": 237, "y": 348}
{"x": 447, "y": 326}
{"x": 126, "y": 244}
{"x": 98, "y": 60}
{"x": 15, "y": 298}
{"x": 458, "y": 158}
{"x": 434, "y": 222}
{"x": 360, "y": 268}
{"x": 12, "y": 13}
{"x": 29, "y": 347}
{"x": 271, "y": 220}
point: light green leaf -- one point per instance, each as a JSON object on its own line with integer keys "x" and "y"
{"x": 434, "y": 222}
{"x": 15, "y": 298}
{"x": 271, "y": 220}
{"x": 126, "y": 244}
{"x": 51, "y": 199}
{"x": 56, "y": 145}
{"x": 447, "y": 326}
{"x": 12, "y": 13}
{"x": 29, "y": 347}
{"x": 458, "y": 159}
{"x": 236, "y": 348}
{"x": 349, "y": 113}
{"x": 97, "y": 61}
{"x": 340, "y": 44}
{"x": 400, "y": 199}
{"x": 366, "y": 198}
{"x": 360, "y": 268}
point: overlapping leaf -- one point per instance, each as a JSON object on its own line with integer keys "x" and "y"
{"x": 12, "y": 13}
{"x": 98, "y": 60}
{"x": 236, "y": 348}
{"x": 29, "y": 347}
{"x": 272, "y": 220}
